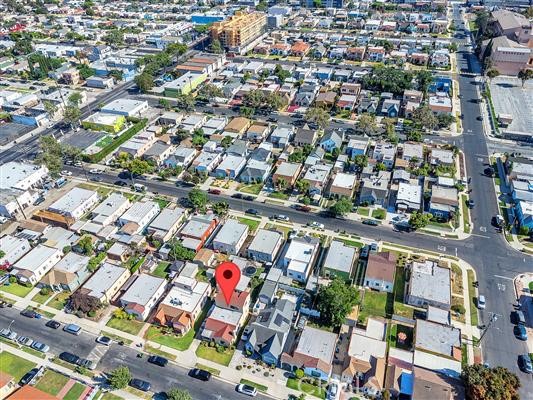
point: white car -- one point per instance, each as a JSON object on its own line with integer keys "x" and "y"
{"x": 481, "y": 302}
{"x": 317, "y": 225}
{"x": 8, "y": 334}
{"x": 281, "y": 217}
{"x": 3, "y": 219}
{"x": 106, "y": 341}
{"x": 95, "y": 171}
{"x": 333, "y": 390}
{"x": 26, "y": 341}
{"x": 66, "y": 173}
{"x": 247, "y": 390}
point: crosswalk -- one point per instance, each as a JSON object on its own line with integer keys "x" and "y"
{"x": 97, "y": 352}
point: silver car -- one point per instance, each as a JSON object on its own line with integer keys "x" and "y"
{"x": 40, "y": 347}
{"x": 26, "y": 341}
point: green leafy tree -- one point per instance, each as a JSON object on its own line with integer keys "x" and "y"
{"x": 179, "y": 252}
{"x": 341, "y": 207}
{"x": 424, "y": 117}
{"x": 281, "y": 73}
{"x": 335, "y": 301}
{"x": 210, "y": 91}
{"x": 388, "y": 79}
{"x": 139, "y": 167}
{"x": 185, "y": 103}
{"x": 198, "y": 199}
{"x": 423, "y": 80}
{"x": 492, "y": 73}
{"x": 114, "y": 37}
{"x": 50, "y": 107}
{"x": 120, "y": 377}
{"x": 525, "y": 75}
{"x": 220, "y": 208}
{"x": 247, "y": 112}
{"x": 419, "y": 220}
{"x": 216, "y": 47}
{"x": 74, "y": 99}
{"x": 367, "y": 124}
{"x": 302, "y": 186}
{"x": 445, "y": 120}
{"x": 319, "y": 116}
{"x": 483, "y": 383}
{"x": 116, "y": 74}
{"x": 86, "y": 245}
{"x": 178, "y": 394}
{"x": 164, "y": 103}
{"x": 226, "y": 142}
{"x": 144, "y": 81}
{"x": 72, "y": 114}
{"x": 50, "y": 155}
{"x": 361, "y": 160}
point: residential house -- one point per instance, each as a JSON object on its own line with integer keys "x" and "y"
{"x": 197, "y": 230}
{"x": 119, "y": 252}
{"x": 257, "y": 132}
{"x": 265, "y": 246}
{"x": 313, "y": 353}
{"x": 32, "y": 267}
{"x": 222, "y": 325}
{"x": 440, "y": 104}
{"x": 339, "y": 261}
{"x": 356, "y": 53}
{"x": 13, "y": 248}
{"x": 230, "y": 167}
{"x": 138, "y": 216}
{"x": 182, "y": 305}
{"x": 206, "y": 162}
{"x": 440, "y": 58}
{"x": 356, "y": 147}
{"x": 142, "y": 294}
{"x": 429, "y": 384}
{"x": 299, "y": 257}
{"x": 325, "y": 99}
{"x": 68, "y": 274}
{"x": 429, "y": 284}
{"x": 317, "y": 176}
{"x": 255, "y": 171}
{"x": 331, "y": 141}
{"x": 166, "y": 224}
{"x": 444, "y": 202}
{"x": 413, "y": 153}
{"x": 390, "y": 108}
{"x": 181, "y": 157}
{"x": 300, "y": 49}
{"x": 343, "y": 185}
{"x": 288, "y": 172}
{"x": 375, "y": 54}
{"x": 380, "y": 270}
{"x": 347, "y": 102}
{"x": 374, "y": 189}
{"x": 230, "y": 237}
{"x": 267, "y": 335}
{"x": 417, "y": 58}
{"x": 353, "y": 89}
{"x": 385, "y": 153}
{"x": 75, "y": 203}
{"x": 281, "y": 136}
{"x": 109, "y": 210}
{"x": 408, "y": 197}
{"x": 441, "y": 157}
{"x": 366, "y": 356}
{"x": 238, "y": 125}
{"x": 104, "y": 284}
{"x": 158, "y": 153}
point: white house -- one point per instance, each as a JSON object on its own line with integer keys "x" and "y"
{"x": 141, "y": 213}
{"x": 13, "y": 248}
{"x": 142, "y": 295}
{"x": 75, "y": 203}
{"x": 108, "y": 211}
{"x": 299, "y": 257}
{"x": 36, "y": 264}
{"x": 126, "y": 107}
{"x": 231, "y": 237}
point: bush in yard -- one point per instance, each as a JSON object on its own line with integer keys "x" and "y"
{"x": 238, "y": 367}
{"x": 178, "y": 394}
{"x": 12, "y": 279}
{"x": 91, "y": 313}
{"x": 299, "y": 373}
{"x": 119, "y": 377}
{"x": 524, "y": 230}
{"x": 211, "y": 344}
{"x": 44, "y": 291}
{"x": 458, "y": 308}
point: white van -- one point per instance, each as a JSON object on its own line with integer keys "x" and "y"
{"x": 139, "y": 188}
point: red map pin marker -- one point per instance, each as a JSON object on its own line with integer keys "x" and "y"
{"x": 228, "y": 276}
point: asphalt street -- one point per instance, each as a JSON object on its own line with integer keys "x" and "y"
{"x": 115, "y": 355}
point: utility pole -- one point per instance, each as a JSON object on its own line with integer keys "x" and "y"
{"x": 493, "y": 318}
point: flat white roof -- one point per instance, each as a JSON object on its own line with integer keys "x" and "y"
{"x": 186, "y": 299}
{"x": 103, "y": 279}
{"x": 13, "y": 172}
{"x": 346, "y": 181}
{"x": 13, "y": 247}
{"x": 110, "y": 205}
{"x": 36, "y": 257}
{"x": 124, "y": 106}
{"x": 139, "y": 210}
{"x": 317, "y": 343}
{"x": 143, "y": 289}
{"x": 69, "y": 202}
{"x": 72, "y": 263}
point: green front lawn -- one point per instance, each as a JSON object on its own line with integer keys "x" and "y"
{"x": 364, "y": 211}
{"x": 306, "y": 387}
{"x": 161, "y": 269}
{"x": 284, "y": 230}
{"x": 162, "y": 202}
{"x": 211, "y": 353}
{"x": 531, "y": 286}
{"x": 472, "y": 295}
{"x": 42, "y": 298}
{"x": 279, "y": 195}
{"x": 111, "y": 396}
{"x": 380, "y": 213}
{"x": 252, "y": 223}
{"x": 348, "y": 242}
{"x": 59, "y": 301}
{"x": 17, "y": 289}
{"x": 75, "y": 392}
{"x": 52, "y": 382}
{"x": 465, "y": 213}
{"x": 213, "y": 371}
{"x": 126, "y": 325}
{"x": 258, "y": 386}
{"x": 253, "y": 188}
{"x": 155, "y": 350}
{"x": 14, "y": 365}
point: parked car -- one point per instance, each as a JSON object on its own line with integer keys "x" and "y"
{"x": 8, "y": 334}
{"x": 158, "y": 360}
{"x": 524, "y": 363}
{"x": 214, "y": 191}
{"x": 140, "y": 384}
{"x": 83, "y": 362}
{"x": 28, "y": 376}
{"x": 247, "y": 390}
{"x": 96, "y": 179}
{"x": 248, "y": 198}
{"x": 237, "y": 195}
{"x": 370, "y": 222}
{"x": 520, "y": 332}
{"x": 252, "y": 211}
{"x": 303, "y": 208}
{"x": 53, "y": 324}
{"x": 519, "y": 317}
{"x": 317, "y": 225}
{"x": 26, "y": 341}
{"x": 95, "y": 171}
{"x": 121, "y": 183}
{"x": 66, "y": 173}
{"x": 200, "y": 374}
{"x": 73, "y": 329}
{"x": 30, "y": 313}
{"x": 470, "y": 203}
{"x": 373, "y": 247}
{"x": 281, "y": 217}
{"x": 39, "y": 200}
{"x": 106, "y": 341}
{"x": 44, "y": 348}
{"x": 332, "y": 391}
{"x": 364, "y": 251}
{"x": 481, "y": 302}
{"x": 69, "y": 357}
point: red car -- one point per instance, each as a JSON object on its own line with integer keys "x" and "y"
{"x": 214, "y": 191}
{"x": 303, "y": 208}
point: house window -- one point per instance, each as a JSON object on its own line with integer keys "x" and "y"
{"x": 316, "y": 374}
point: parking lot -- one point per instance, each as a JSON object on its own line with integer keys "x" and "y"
{"x": 10, "y": 132}
{"x": 508, "y": 97}
{"x": 82, "y": 139}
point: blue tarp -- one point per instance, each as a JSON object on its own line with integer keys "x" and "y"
{"x": 406, "y": 383}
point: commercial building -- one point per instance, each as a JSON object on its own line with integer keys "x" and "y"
{"x": 75, "y": 203}
{"x": 142, "y": 295}
{"x": 239, "y": 30}
{"x": 99, "y": 121}
{"x": 36, "y": 263}
{"x": 184, "y": 84}
{"x": 126, "y": 107}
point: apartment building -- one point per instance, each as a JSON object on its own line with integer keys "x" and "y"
{"x": 239, "y": 30}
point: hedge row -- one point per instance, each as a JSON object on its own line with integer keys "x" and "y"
{"x": 97, "y": 157}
